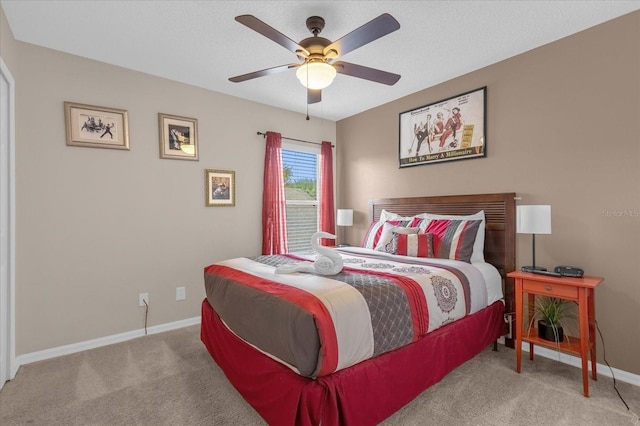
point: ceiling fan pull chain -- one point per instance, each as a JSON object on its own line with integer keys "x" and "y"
{"x": 307, "y": 91}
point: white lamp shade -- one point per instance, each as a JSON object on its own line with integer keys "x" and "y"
{"x": 533, "y": 219}
{"x": 344, "y": 217}
{"x": 316, "y": 75}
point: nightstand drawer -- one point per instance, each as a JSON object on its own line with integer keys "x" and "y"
{"x": 549, "y": 289}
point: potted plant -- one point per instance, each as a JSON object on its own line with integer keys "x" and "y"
{"x": 551, "y": 314}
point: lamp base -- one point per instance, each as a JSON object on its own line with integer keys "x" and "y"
{"x": 533, "y": 268}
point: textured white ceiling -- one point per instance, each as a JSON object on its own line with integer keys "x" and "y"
{"x": 200, "y": 43}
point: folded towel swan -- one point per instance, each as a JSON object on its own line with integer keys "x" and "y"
{"x": 328, "y": 261}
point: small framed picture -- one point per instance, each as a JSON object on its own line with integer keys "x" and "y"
{"x": 96, "y": 127}
{"x": 220, "y": 187}
{"x": 178, "y": 137}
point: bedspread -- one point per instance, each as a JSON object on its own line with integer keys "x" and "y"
{"x": 320, "y": 324}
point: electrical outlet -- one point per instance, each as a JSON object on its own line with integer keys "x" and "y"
{"x": 143, "y": 297}
{"x": 181, "y": 293}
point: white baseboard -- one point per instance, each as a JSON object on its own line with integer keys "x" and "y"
{"x": 574, "y": 361}
{"x": 603, "y": 369}
{"x": 102, "y": 341}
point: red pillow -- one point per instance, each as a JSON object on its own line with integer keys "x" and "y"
{"x": 416, "y": 245}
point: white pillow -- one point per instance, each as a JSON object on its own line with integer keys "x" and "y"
{"x": 387, "y": 234}
{"x": 386, "y": 215}
{"x": 478, "y": 245}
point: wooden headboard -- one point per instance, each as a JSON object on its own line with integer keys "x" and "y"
{"x": 500, "y": 215}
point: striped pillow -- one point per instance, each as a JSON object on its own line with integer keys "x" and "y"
{"x": 478, "y": 246}
{"x": 453, "y": 239}
{"x": 416, "y": 245}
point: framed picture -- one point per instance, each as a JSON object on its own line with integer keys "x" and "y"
{"x": 96, "y": 127}
{"x": 178, "y": 137}
{"x": 450, "y": 129}
{"x": 220, "y": 187}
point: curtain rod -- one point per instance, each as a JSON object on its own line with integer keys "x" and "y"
{"x": 264, "y": 135}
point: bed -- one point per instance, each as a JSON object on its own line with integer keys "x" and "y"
{"x": 341, "y": 375}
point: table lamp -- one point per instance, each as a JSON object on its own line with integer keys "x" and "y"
{"x": 533, "y": 220}
{"x": 344, "y": 217}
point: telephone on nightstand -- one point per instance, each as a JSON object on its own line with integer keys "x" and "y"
{"x": 569, "y": 271}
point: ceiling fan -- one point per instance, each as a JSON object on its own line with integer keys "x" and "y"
{"x": 319, "y": 66}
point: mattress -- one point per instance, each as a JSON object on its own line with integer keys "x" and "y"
{"x": 317, "y": 325}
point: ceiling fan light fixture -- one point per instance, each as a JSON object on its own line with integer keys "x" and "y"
{"x": 316, "y": 75}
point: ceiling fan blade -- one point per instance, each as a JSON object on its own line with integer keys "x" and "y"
{"x": 261, "y": 73}
{"x": 372, "y": 30}
{"x": 366, "y": 73}
{"x": 314, "y": 96}
{"x": 271, "y": 33}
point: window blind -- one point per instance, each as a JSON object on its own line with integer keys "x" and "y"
{"x": 300, "y": 170}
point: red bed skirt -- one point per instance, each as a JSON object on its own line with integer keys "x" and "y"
{"x": 364, "y": 394}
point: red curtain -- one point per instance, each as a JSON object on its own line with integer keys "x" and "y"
{"x": 274, "y": 213}
{"x": 327, "y": 211}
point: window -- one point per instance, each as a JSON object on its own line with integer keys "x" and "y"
{"x": 301, "y": 169}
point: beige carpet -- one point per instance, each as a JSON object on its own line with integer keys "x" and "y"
{"x": 170, "y": 379}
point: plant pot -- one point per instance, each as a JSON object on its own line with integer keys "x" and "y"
{"x": 546, "y": 332}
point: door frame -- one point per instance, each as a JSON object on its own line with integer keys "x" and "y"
{"x": 8, "y": 366}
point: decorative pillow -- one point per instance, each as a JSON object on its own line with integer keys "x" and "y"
{"x": 478, "y": 246}
{"x": 416, "y": 245}
{"x": 375, "y": 228}
{"x": 374, "y": 232}
{"x": 388, "y": 229}
{"x": 453, "y": 239}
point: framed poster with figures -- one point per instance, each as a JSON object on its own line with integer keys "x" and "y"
{"x": 96, "y": 127}
{"x": 450, "y": 129}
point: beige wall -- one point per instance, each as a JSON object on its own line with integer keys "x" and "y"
{"x": 96, "y": 227}
{"x": 7, "y": 43}
{"x": 563, "y": 128}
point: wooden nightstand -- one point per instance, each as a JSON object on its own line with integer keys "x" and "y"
{"x": 581, "y": 291}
